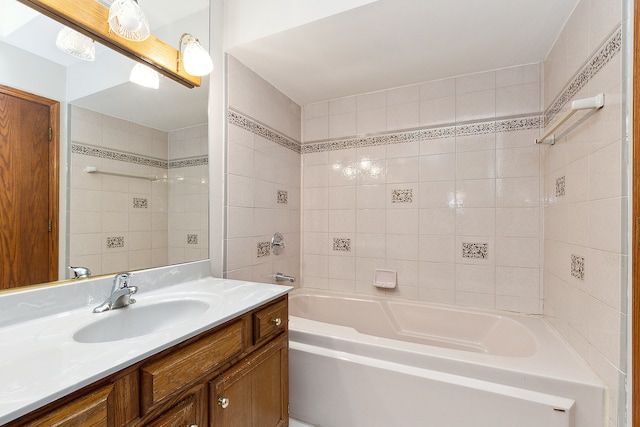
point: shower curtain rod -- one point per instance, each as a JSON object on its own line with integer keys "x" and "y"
{"x": 594, "y": 103}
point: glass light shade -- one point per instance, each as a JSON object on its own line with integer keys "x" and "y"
{"x": 76, "y": 44}
{"x": 127, "y": 20}
{"x": 196, "y": 60}
{"x": 145, "y": 76}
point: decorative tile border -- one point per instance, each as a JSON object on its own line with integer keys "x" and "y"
{"x": 560, "y": 186}
{"x": 577, "y": 266}
{"x": 342, "y": 245}
{"x": 190, "y": 162}
{"x": 140, "y": 203}
{"x": 247, "y": 123}
{"x": 425, "y": 134}
{"x": 609, "y": 49}
{"x": 115, "y": 242}
{"x": 264, "y": 249}
{"x": 121, "y": 156}
{"x": 475, "y": 250}
{"x": 283, "y": 197}
{"x": 402, "y": 196}
{"x": 192, "y": 239}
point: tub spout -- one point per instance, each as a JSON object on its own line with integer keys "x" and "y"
{"x": 284, "y": 278}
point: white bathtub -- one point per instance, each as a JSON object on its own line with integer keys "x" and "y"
{"x": 366, "y": 361}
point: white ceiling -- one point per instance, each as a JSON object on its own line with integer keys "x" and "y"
{"x": 391, "y": 43}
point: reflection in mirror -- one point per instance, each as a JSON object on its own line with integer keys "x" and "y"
{"x": 114, "y": 223}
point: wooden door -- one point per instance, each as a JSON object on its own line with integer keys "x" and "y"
{"x": 28, "y": 188}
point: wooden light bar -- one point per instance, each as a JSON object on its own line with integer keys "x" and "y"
{"x": 90, "y": 18}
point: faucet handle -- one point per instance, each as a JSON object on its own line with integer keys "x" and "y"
{"x": 121, "y": 280}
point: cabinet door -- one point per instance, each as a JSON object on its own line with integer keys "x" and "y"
{"x": 189, "y": 411}
{"x": 255, "y": 392}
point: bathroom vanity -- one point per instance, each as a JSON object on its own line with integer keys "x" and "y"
{"x": 227, "y": 366}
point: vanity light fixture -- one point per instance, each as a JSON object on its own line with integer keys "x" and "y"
{"x": 76, "y": 44}
{"x": 144, "y": 76}
{"x": 195, "y": 58}
{"x": 91, "y": 17}
{"x": 127, "y": 20}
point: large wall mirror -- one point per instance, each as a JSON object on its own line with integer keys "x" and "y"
{"x": 133, "y": 160}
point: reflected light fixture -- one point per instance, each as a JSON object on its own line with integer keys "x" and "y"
{"x": 195, "y": 58}
{"x": 145, "y": 76}
{"x": 127, "y": 20}
{"x": 76, "y": 44}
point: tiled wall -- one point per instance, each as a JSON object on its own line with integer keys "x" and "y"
{"x": 438, "y": 181}
{"x": 188, "y": 208}
{"x": 263, "y": 178}
{"x": 118, "y": 223}
{"x": 586, "y": 196}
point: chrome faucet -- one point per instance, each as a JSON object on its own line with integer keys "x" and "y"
{"x": 80, "y": 272}
{"x": 284, "y": 278}
{"x": 120, "y": 294}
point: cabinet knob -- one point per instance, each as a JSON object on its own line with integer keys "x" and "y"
{"x": 277, "y": 321}
{"x": 192, "y": 425}
{"x": 223, "y": 402}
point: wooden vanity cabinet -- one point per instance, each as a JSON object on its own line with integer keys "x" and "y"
{"x": 241, "y": 365}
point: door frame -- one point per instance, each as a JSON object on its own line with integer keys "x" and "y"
{"x": 54, "y": 170}
{"x": 634, "y": 411}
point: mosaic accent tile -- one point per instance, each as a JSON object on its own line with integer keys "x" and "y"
{"x": 264, "y": 249}
{"x": 610, "y": 48}
{"x": 342, "y": 245}
{"x": 253, "y": 126}
{"x": 577, "y": 266}
{"x": 476, "y": 129}
{"x": 522, "y": 123}
{"x": 283, "y": 197}
{"x": 475, "y": 250}
{"x": 104, "y": 153}
{"x": 560, "y": 186}
{"x": 192, "y": 239}
{"x": 402, "y": 196}
{"x": 140, "y": 203}
{"x": 115, "y": 242}
{"x": 190, "y": 162}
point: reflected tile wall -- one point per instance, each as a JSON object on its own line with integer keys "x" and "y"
{"x": 115, "y": 221}
{"x": 118, "y": 223}
{"x": 445, "y": 170}
{"x": 188, "y": 206}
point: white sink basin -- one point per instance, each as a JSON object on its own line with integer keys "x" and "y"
{"x": 139, "y": 319}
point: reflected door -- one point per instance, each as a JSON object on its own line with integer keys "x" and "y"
{"x": 28, "y": 189}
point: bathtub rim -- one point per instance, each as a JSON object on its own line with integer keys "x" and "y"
{"x": 554, "y": 358}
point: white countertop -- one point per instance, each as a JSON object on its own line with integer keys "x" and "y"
{"x": 41, "y": 362}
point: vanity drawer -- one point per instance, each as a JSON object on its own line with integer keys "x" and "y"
{"x": 270, "y": 321}
{"x": 164, "y": 376}
{"x": 94, "y": 409}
